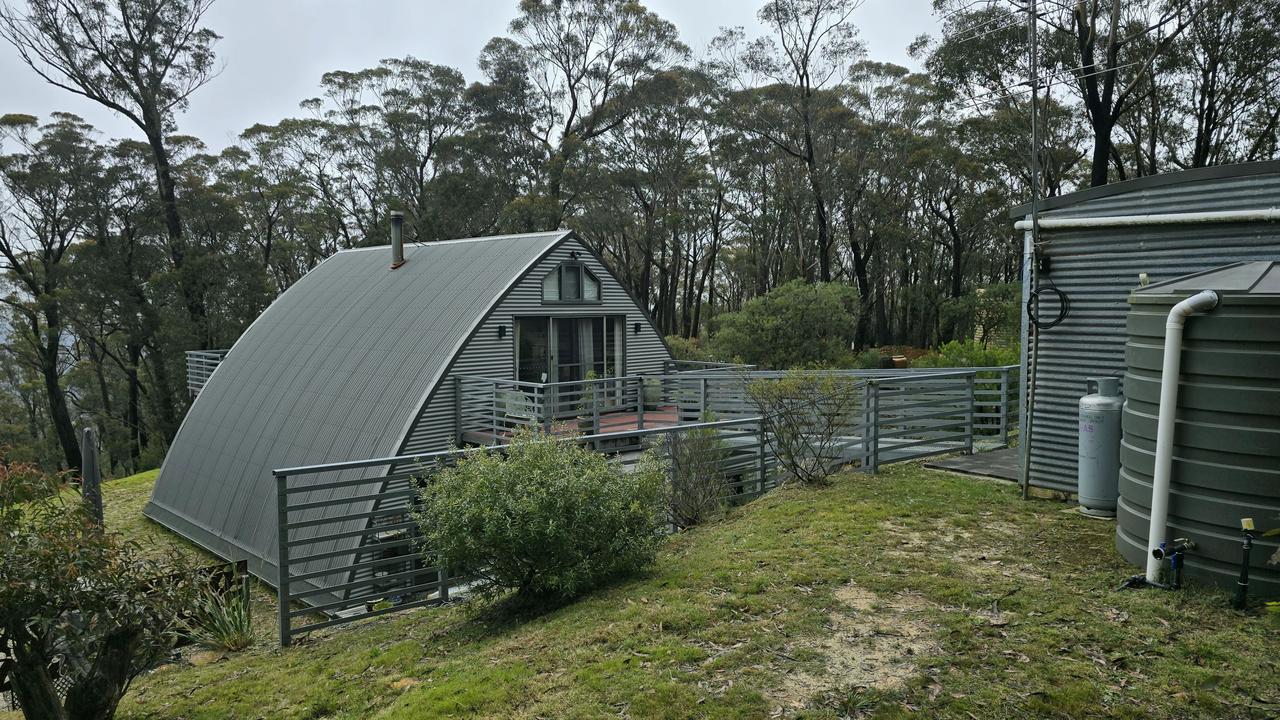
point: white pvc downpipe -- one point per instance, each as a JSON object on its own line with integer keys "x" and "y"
{"x": 1200, "y": 302}
{"x": 1187, "y": 218}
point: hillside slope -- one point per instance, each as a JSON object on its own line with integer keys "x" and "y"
{"x": 911, "y": 593}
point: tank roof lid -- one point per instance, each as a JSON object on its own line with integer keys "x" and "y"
{"x": 1243, "y": 278}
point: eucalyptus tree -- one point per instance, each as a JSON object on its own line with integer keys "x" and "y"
{"x": 810, "y": 46}
{"x": 43, "y": 184}
{"x": 1226, "y": 65}
{"x": 658, "y": 158}
{"x": 570, "y": 74}
{"x": 142, "y": 59}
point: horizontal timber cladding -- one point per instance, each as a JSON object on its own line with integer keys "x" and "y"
{"x": 486, "y": 354}
{"x": 1098, "y": 267}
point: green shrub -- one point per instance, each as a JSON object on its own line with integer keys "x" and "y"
{"x": 809, "y": 416}
{"x": 683, "y": 348}
{"x": 795, "y": 325}
{"x": 77, "y": 596}
{"x": 221, "y": 621}
{"x": 548, "y": 520}
{"x": 697, "y": 481}
{"x": 969, "y": 354}
{"x": 991, "y": 314}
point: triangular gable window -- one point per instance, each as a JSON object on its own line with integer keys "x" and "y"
{"x": 571, "y": 282}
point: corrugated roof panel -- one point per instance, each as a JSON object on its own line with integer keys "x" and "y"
{"x": 333, "y": 370}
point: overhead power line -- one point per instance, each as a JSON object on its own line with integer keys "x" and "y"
{"x": 985, "y": 99}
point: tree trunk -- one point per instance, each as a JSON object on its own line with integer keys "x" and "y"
{"x": 34, "y": 685}
{"x": 58, "y": 413}
{"x": 133, "y": 414}
{"x": 191, "y": 295}
{"x": 96, "y": 695}
{"x": 1100, "y": 161}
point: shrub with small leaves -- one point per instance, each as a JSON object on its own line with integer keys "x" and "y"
{"x": 810, "y": 417}
{"x": 546, "y": 519}
{"x": 77, "y": 602}
{"x": 697, "y": 480}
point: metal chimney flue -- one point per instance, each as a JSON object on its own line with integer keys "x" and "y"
{"x": 397, "y": 239}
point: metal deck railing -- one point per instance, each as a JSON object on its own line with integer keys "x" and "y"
{"x": 358, "y": 511}
{"x": 200, "y": 366}
{"x": 489, "y": 410}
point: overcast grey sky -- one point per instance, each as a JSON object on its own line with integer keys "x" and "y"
{"x": 274, "y": 51}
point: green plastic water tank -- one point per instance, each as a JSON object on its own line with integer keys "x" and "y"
{"x": 1226, "y": 459}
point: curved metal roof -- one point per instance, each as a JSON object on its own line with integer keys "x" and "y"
{"x": 335, "y": 369}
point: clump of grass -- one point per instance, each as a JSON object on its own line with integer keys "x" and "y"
{"x": 222, "y": 622}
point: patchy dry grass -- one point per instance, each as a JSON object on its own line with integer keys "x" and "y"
{"x": 912, "y": 593}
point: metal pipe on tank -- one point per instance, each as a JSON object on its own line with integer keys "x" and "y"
{"x": 1202, "y": 301}
{"x": 1182, "y": 218}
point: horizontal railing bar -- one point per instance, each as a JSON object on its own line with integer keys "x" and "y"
{"x": 330, "y": 554}
{"x": 387, "y": 495}
{"x": 335, "y": 484}
{"x": 364, "y": 581}
{"x": 362, "y": 565}
{"x": 370, "y": 614}
{"x": 346, "y": 517}
{"x": 925, "y": 441}
{"x": 345, "y": 534}
{"x": 357, "y": 601}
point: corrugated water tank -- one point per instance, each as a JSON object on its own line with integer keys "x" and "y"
{"x": 1226, "y": 459}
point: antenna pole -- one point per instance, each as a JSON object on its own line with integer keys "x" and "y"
{"x": 1033, "y": 274}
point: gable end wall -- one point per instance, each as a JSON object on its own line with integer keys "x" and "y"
{"x": 487, "y": 355}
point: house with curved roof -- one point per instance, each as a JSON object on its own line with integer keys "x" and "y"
{"x": 363, "y": 358}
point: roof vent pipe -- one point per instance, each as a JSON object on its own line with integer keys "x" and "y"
{"x": 397, "y": 239}
{"x": 1202, "y": 301}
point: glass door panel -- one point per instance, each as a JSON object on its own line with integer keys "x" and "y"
{"x": 533, "y": 350}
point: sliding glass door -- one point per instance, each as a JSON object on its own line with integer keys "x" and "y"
{"x": 570, "y": 350}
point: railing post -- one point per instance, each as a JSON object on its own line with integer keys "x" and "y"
{"x": 639, "y": 403}
{"x": 969, "y": 413}
{"x": 493, "y": 412}
{"x": 543, "y": 415}
{"x": 873, "y": 428}
{"x": 442, "y": 577}
{"x": 764, "y": 473}
{"x": 1004, "y": 406}
{"x": 282, "y": 558}
{"x": 702, "y": 400}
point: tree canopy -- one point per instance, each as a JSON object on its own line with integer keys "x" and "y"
{"x": 726, "y": 188}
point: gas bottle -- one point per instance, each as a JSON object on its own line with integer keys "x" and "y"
{"x": 1099, "y": 458}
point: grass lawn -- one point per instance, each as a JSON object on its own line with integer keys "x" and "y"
{"x": 909, "y": 594}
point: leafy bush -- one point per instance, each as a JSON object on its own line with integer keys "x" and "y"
{"x": 697, "y": 483}
{"x": 990, "y": 315}
{"x": 548, "y": 520}
{"x": 809, "y": 415}
{"x": 795, "y": 325}
{"x": 221, "y": 621}
{"x": 79, "y": 599}
{"x": 683, "y": 348}
{"x": 969, "y": 354}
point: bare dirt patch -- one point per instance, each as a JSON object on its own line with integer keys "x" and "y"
{"x": 873, "y": 641}
{"x": 981, "y": 555}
